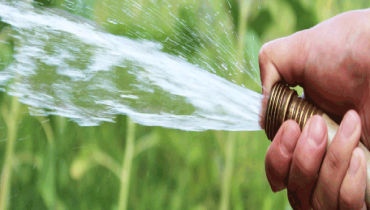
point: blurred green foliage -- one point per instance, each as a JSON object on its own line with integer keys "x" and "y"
{"x": 58, "y": 165}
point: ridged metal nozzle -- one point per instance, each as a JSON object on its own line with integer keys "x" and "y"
{"x": 284, "y": 104}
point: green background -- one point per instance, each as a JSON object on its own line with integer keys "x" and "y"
{"x": 58, "y": 165}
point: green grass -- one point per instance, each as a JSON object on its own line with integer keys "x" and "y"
{"x": 52, "y": 163}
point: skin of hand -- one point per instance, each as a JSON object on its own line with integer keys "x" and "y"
{"x": 331, "y": 61}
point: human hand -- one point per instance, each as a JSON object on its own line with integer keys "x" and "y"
{"x": 294, "y": 159}
{"x": 329, "y": 62}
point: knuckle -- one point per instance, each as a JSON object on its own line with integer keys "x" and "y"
{"x": 349, "y": 202}
{"x": 268, "y": 158}
{"x": 273, "y": 179}
{"x": 262, "y": 56}
{"x": 304, "y": 167}
{"x": 294, "y": 200}
{"x": 275, "y": 169}
{"x": 302, "y": 37}
{"x": 269, "y": 169}
{"x": 350, "y": 199}
{"x": 317, "y": 203}
{"x": 272, "y": 164}
{"x": 334, "y": 159}
{"x": 272, "y": 171}
{"x": 270, "y": 181}
{"x": 302, "y": 40}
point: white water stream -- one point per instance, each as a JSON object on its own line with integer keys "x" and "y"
{"x": 72, "y": 68}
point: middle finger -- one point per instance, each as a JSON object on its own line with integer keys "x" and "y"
{"x": 307, "y": 159}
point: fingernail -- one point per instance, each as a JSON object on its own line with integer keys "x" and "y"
{"x": 316, "y": 131}
{"x": 348, "y": 125}
{"x": 355, "y": 163}
{"x": 288, "y": 140}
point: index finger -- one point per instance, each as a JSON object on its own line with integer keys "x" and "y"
{"x": 283, "y": 59}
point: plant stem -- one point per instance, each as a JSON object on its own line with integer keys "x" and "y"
{"x": 127, "y": 163}
{"x": 228, "y": 172}
{"x": 48, "y": 188}
{"x": 107, "y": 161}
{"x": 244, "y": 7}
{"x": 6, "y": 175}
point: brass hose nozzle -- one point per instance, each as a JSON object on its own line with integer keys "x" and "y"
{"x": 284, "y": 104}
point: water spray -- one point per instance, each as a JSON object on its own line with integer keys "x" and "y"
{"x": 285, "y": 104}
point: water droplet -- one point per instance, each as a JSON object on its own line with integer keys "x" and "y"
{"x": 182, "y": 57}
{"x": 112, "y": 21}
{"x": 224, "y": 65}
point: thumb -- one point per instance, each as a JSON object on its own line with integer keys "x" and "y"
{"x": 284, "y": 59}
